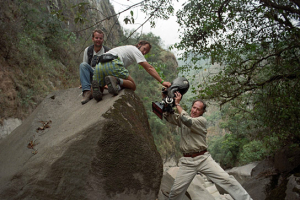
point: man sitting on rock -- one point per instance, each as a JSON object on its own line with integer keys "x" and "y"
{"x": 90, "y": 57}
{"x": 112, "y": 69}
{"x": 195, "y": 156}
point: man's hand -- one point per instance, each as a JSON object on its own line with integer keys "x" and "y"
{"x": 178, "y": 97}
{"x": 166, "y": 84}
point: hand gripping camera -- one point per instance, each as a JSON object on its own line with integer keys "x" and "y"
{"x": 179, "y": 84}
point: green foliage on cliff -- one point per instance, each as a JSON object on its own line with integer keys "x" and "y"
{"x": 41, "y": 45}
{"x": 34, "y": 48}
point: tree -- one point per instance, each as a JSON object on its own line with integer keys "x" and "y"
{"x": 256, "y": 43}
{"x": 254, "y": 47}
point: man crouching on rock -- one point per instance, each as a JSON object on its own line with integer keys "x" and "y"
{"x": 195, "y": 156}
{"x": 112, "y": 69}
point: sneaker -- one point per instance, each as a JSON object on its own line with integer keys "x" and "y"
{"x": 97, "y": 94}
{"x": 87, "y": 95}
{"x": 113, "y": 84}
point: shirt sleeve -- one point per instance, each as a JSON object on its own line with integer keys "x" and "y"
{"x": 85, "y": 56}
{"x": 139, "y": 57}
{"x": 172, "y": 118}
{"x": 197, "y": 124}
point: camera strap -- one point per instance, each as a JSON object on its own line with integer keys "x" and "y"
{"x": 107, "y": 57}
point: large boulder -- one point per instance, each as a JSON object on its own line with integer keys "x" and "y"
{"x": 243, "y": 173}
{"x": 65, "y": 150}
{"x": 8, "y": 126}
{"x": 275, "y": 179}
{"x": 261, "y": 177}
{"x": 287, "y": 159}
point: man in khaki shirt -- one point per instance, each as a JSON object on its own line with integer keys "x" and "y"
{"x": 195, "y": 156}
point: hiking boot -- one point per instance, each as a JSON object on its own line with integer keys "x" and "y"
{"x": 113, "y": 84}
{"x": 87, "y": 95}
{"x": 97, "y": 94}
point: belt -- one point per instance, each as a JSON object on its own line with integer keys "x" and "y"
{"x": 194, "y": 154}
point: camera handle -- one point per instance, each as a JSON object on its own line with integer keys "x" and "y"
{"x": 169, "y": 100}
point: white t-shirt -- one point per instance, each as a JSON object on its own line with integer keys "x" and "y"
{"x": 129, "y": 54}
{"x": 86, "y": 58}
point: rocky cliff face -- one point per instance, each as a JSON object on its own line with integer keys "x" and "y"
{"x": 64, "y": 150}
{"x": 94, "y": 13}
{"x": 110, "y": 25}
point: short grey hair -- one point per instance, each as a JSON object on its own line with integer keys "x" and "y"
{"x": 204, "y": 104}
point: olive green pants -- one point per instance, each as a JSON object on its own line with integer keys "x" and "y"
{"x": 112, "y": 68}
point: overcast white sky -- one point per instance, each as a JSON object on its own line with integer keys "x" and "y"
{"x": 166, "y": 29}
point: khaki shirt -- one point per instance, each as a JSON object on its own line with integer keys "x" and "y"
{"x": 193, "y": 131}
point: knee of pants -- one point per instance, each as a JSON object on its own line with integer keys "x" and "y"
{"x": 83, "y": 65}
{"x": 173, "y": 194}
{"x": 178, "y": 190}
{"x": 228, "y": 180}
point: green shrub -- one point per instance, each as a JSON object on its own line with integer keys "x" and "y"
{"x": 253, "y": 151}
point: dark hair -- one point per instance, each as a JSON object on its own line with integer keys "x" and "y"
{"x": 98, "y": 31}
{"x": 143, "y": 42}
{"x": 204, "y": 104}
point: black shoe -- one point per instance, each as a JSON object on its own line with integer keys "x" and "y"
{"x": 97, "y": 94}
{"x": 113, "y": 84}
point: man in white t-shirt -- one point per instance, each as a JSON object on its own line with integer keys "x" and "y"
{"x": 113, "y": 71}
{"x": 86, "y": 68}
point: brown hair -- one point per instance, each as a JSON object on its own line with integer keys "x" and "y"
{"x": 98, "y": 31}
{"x": 143, "y": 42}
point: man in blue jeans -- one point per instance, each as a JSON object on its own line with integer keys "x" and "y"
{"x": 87, "y": 67}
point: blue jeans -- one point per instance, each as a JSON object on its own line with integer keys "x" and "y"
{"x": 86, "y": 76}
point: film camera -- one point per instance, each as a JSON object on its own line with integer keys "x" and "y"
{"x": 179, "y": 84}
